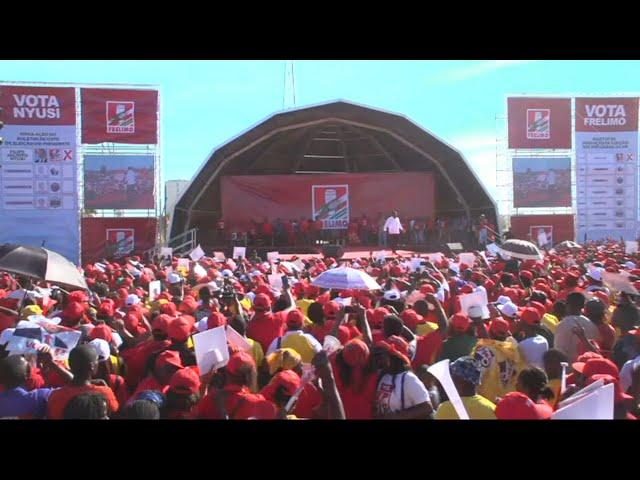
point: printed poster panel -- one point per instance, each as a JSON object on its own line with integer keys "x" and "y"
{"x": 119, "y": 182}
{"x": 539, "y": 122}
{"x": 541, "y": 235}
{"x": 120, "y": 242}
{"x": 606, "y": 168}
{"x": 330, "y": 204}
{"x": 119, "y": 116}
{"x": 38, "y": 180}
{"x": 541, "y": 182}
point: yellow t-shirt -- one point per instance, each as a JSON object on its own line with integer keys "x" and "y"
{"x": 426, "y": 328}
{"x": 550, "y": 321}
{"x": 303, "y": 305}
{"x": 478, "y": 408}
{"x": 256, "y": 351}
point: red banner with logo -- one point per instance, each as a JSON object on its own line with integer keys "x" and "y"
{"x": 116, "y": 237}
{"x": 613, "y": 114}
{"x": 119, "y": 116}
{"x": 38, "y": 105}
{"x": 336, "y": 200}
{"x": 556, "y": 228}
{"x": 539, "y": 122}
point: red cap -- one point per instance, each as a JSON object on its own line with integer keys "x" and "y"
{"x": 161, "y": 323}
{"x": 427, "y": 288}
{"x": 169, "y": 357}
{"x": 411, "y": 319}
{"x": 346, "y": 293}
{"x": 101, "y": 331}
{"x": 106, "y": 309}
{"x": 466, "y": 289}
{"x": 597, "y": 366}
{"x": 587, "y": 356}
{"x": 602, "y": 296}
{"x": 131, "y": 323}
{"x": 179, "y": 329}
{"x": 356, "y": 353}
{"x": 295, "y": 319}
{"x": 378, "y": 317}
{"x": 240, "y": 361}
{"x": 343, "y": 334}
{"x": 169, "y": 309}
{"x": 78, "y": 296}
{"x": 539, "y": 307}
{"x": 530, "y": 315}
{"x": 395, "y": 271}
{"x": 288, "y": 379}
{"x": 331, "y": 309}
{"x": 216, "y": 319}
{"x": 188, "y": 305}
{"x": 526, "y": 274}
{"x": 261, "y": 302}
{"x": 518, "y": 406}
{"x": 73, "y": 311}
{"x": 185, "y": 381}
{"x": 499, "y": 326}
{"x": 396, "y": 346}
{"x": 460, "y": 322}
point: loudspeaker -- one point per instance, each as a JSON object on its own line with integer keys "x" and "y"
{"x": 333, "y": 251}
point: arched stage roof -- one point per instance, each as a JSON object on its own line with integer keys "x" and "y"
{"x": 333, "y": 137}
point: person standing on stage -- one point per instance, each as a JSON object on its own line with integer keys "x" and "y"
{"x": 393, "y": 227}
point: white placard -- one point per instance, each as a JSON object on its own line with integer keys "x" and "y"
{"x": 598, "y": 405}
{"x": 468, "y": 258}
{"x": 477, "y": 298}
{"x": 581, "y": 393}
{"x": 237, "y": 340}
{"x": 435, "y": 257}
{"x": 380, "y": 256}
{"x": 273, "y": 256}
{"x": 232, "y": 264}
{"x": 345, "y": 302}
{"x": 415, "y": 263}
{"x": 300, "y": 264}
{"x": 184, "y": 263}
{"x": 199, "y": 271}
{"x": 441, "y": 371}
{"x": 154, "y": 289}
{"x": 630, "y": 246}
{"x": 239, "y": 252}
{"x": 219, "y": 255}
{"x": 166, "y": 252}
{"x": 197, "y": 253}
{"x": 275, "y": 280}
{"x": 211, "y": 349}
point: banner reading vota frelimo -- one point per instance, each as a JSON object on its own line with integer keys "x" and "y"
{"x": 38, "y": 186}
{"x": 606, "y": 167}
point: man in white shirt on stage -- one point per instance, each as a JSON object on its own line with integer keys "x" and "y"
{"x": 393, "y": 227}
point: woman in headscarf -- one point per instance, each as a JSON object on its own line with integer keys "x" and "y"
{"x": 400, "y": 394}
{"x": 356, "y": 379}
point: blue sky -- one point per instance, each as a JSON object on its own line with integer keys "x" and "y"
{"x": 204, "y": 103}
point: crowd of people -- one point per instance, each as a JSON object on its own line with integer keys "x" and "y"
{"x": 312, "y": 353}
{"x": 362, "y": 231}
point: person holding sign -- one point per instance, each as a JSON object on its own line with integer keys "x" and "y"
{"x": 466, "y": 375}
{"x": 233, "y": 397}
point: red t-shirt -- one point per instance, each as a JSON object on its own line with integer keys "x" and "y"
{"x": 265, "y": 327}
{"x": 240, "y": 404}
{"x": 427, "y": 349}
{"x": 136, "y": 359}
{"x": 267, "y": 228}
{"x": 358, "y": 399}
{"x": 62, "y": 396}
{"x": 310, "y": 399}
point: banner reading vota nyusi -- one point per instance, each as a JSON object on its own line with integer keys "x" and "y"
{"x": 38, "y": 186}
{"x": 606, "y": 167}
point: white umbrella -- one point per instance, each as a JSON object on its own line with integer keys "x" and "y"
{"x": 346, "y": 278}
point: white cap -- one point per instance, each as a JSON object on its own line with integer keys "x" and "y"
{"x": 508, "y": 309}
{"x": 596, "y": 274}
{"x": 454, "y": 267}
{"x": 117, "y": 339}
{"x": 503, "y": 299}
{"x": 202, "y": 324}
{"x": 102, "y": 348}
{"x": 174, "y": 278}
{"x": 227, "y": 273}
{"x": 6, "y": 335}
{"x": 630, "y": 265}
{"x": 250, "y": 296}
{"x": 133, "y": 299}
{"x": 392, "y": 295}
{"x": 478, "y": 311}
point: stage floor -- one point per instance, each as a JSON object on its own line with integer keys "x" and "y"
{"x": 351, "y": 253}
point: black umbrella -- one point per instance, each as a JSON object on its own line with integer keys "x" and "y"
{"x": 521, "y": 249}
{"x": 36, "y": 262}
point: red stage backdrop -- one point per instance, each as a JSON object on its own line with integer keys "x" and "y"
{"x": 119, "y": 116}
{"x": 124, "y": 236}
{"x": 253, "y": 197}
{"x": 559, "y": 227}
{"x": 539, "y": 122}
